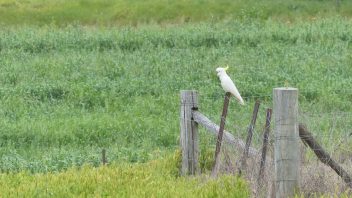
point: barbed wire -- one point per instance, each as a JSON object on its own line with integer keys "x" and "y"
{"x": 335, "y": 140}
{"x": 308, "y": 173}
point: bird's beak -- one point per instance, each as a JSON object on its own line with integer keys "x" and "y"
{"x": 226, "y": 68}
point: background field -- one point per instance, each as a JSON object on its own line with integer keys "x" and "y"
{"x": 75, "y": 90}
{"x": 70, "y": 89}
{"x": 121, "y": 12}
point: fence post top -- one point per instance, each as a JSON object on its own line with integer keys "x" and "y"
{"x": 182, "y": 91}
{"x": 285, "y": 89}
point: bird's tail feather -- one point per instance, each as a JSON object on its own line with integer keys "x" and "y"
{"x": 238, "y": 98}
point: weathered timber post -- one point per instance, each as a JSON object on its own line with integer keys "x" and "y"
{"x": 189, "y": 133}
{"x": 323, "y": 156}
{"x": 249, "y": 137}
{"x": 228, "y": 137}
{"x": 287, "y": 150}
{"x": 103, "y": 157}
{"x": 216, "y": 166}
{"x": 265, "y": 146}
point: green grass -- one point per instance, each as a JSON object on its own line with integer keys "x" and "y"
{"x": 78, "y": 76}
{"x": 72, "y": 84}
{"x": 153, "y": 179}
{"x": 122, "y": 12}
{"x": 66, "y": 93}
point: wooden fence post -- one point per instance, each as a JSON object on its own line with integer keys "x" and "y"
{"x": 216, "y": 166}
{"x": 265, "y": 145}
{"x": 287, "y": 150}
{"x": 228, "y": 137}
{"x": 189, "y": 133}
{"x": 249, "y": 137}
{"x": 103, "y": 157}
{"x": 323, "y": 156}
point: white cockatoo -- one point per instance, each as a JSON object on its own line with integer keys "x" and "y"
{"x": 227, "y": 84}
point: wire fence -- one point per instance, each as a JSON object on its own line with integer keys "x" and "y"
{"x": 332, "y": 130}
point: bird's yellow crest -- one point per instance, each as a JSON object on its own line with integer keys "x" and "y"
{"x": 226, "y": 68}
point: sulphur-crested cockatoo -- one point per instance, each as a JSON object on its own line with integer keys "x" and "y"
{"x": 227, "y": 84}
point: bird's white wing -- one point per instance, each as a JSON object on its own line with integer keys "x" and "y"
{"x": 228, "y": 85}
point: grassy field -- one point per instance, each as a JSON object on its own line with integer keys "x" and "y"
{"x": 121, "y": 12}
{"x": 76, "y": 90}
{"x": 69, "y": 92}
{"x": 153, "y": 179}
{"x": 70, "y": 89}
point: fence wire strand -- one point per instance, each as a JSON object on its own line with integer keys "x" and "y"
{"x": 332, "y": 130}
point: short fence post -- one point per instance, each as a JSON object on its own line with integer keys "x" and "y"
{"x": 265, "y": 145}
{"x": 216, "y": 166}
{"x": 287, "y": 150}
{"x": 323, "y": 156}
{"x": 103, "y": 157}
{"x": 189, "y": 133}
{"x": 249, "y": 137}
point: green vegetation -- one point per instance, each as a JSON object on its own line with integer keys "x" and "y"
{"x": 67, "y": 93}
{"x": 121, "y": 12}
{"x": 152, "y": 179}
{"x": 80, "y": 76}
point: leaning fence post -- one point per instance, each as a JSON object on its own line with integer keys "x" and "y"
{"x": 249, "y": 137}
{"x": 323, "y": 156}
{"x": 221, "y": 132}
{"x": 265, "y": 145}
{"x": 103, "y": 157}
{"x": 287, "y": 150}
{"x": 189, "y": 133}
